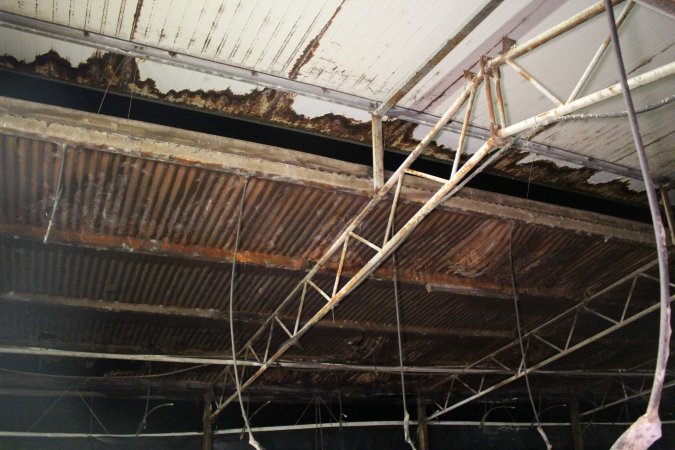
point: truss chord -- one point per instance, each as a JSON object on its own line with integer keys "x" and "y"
{"x": 365, "y": 241}
{"x": 281, "y": 324}
{"x": 630, "y": 295}
{"x": 317, "y": 289}
{"x": 302, "y": 301}
{"x": 500, "y": 100}
{"x": 488, "y": 93}
{"x": 550, "y": 344}
{"x": 562, "y": 315}
{"x": 426, "y": 176}
{"x": 269, "y": 342}
{"x": 392, "y": 210}
{"x": 598, "y": 54}
{"x": 553, "y": 358}
{"x": 602, "y": 316}
{"x": 574, "y": 324}
{"x": 339, "y": 270}
{"x": 462, "y": 135}
{"x": 533, "y": 81}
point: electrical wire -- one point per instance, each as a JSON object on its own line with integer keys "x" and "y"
{"x": 647, "y": 428}
{"x": 516, "y": 302}
{"x": 406, "y": 414}
{"x": 103, "y": 377}
{"x": 251, "y": 440}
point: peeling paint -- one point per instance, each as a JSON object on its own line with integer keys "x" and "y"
{"x": 14, "y": 43}
{"x": 559, "y": 163}
{"x": 182, "y": 87}
{"x": 311, "y": 108}
{"x": 602, "y": 177}
{"x": 635, "y": 185}
{"x": 179, "y": 79}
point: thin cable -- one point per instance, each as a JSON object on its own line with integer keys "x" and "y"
{"x": 406, "y": 415}
{"x": 520, "y": 341}
{"x": 105, "y": 93}
{"x": 59, "y": 192}
{"x": 251, "y": 439}
{"x": 113, "y": 377}
{"x": 131, "y": 91}
{"x": 47, "y": 410}
{"x": 92, "y": 413}
{"x": 647, "y": 428}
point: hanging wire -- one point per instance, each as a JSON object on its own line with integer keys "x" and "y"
{"x": 523, "y": 363}
{"x": 91, "y": 410}
{"x": 406, "y": 414}
{"x": 47, "y": 410}
{"x": 251, "y": 440}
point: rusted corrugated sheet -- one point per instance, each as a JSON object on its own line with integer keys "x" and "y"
{"x": 118, "y": 201}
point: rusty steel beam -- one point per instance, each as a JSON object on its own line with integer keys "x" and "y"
{"x": 160, "y": 143}
{"x": 246, "y": 317}
{"x": 125, "y": 244}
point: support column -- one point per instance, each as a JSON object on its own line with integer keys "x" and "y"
{"x": 668, "y": 213}
{"x": 422, "y": 428}
{"x": 378, "y": 153}
{"x": 207, "y": 438}
{"x": 577, "y": 436}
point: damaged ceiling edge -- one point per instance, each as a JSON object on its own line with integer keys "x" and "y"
{"x": 272, "y": 106}
{"x": 140, "y": 139}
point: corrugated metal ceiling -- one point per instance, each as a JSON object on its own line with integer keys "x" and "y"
{"x": 370, "y": 50}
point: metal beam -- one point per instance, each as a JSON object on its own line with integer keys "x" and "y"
{"x": 521, "y": 373}
{"x": 169, "y": 57}
{"x": 91, "y": 131}
{"x": 446, "y": 190}
{"x": 302, "y": 365}
{"x": 378, "y": 152}
{"x": 247, "y": 317}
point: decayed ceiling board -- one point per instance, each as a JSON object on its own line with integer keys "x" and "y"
{"x": 324, "y": 44}
{"x": 131, "y": 247}
{"x": 123, "y": 242}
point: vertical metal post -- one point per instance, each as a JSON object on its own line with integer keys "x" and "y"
{"x": 575, "y": 421}
{"x": 422, "y": 428}
{"x": 378, "y": 153}
{"x": 207, "y": 437}
{"x": 668, "y": 213}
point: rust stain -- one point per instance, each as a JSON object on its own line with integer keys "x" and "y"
{"x": 277, "y": 108}
{"x": 137, "y": 15}
{"x": 313, "y": 45}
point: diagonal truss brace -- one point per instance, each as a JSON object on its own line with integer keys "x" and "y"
{"x": 559, "y": 352}
{"x": 499, "y": 138}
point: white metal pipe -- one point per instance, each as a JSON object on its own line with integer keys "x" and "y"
{"x": 307, "y": 426}
{"x": 591, "y": 99}
{"x": 533, "y": 81}
{"x": 598, "y": 54}
{"x": 305, "y": 365}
